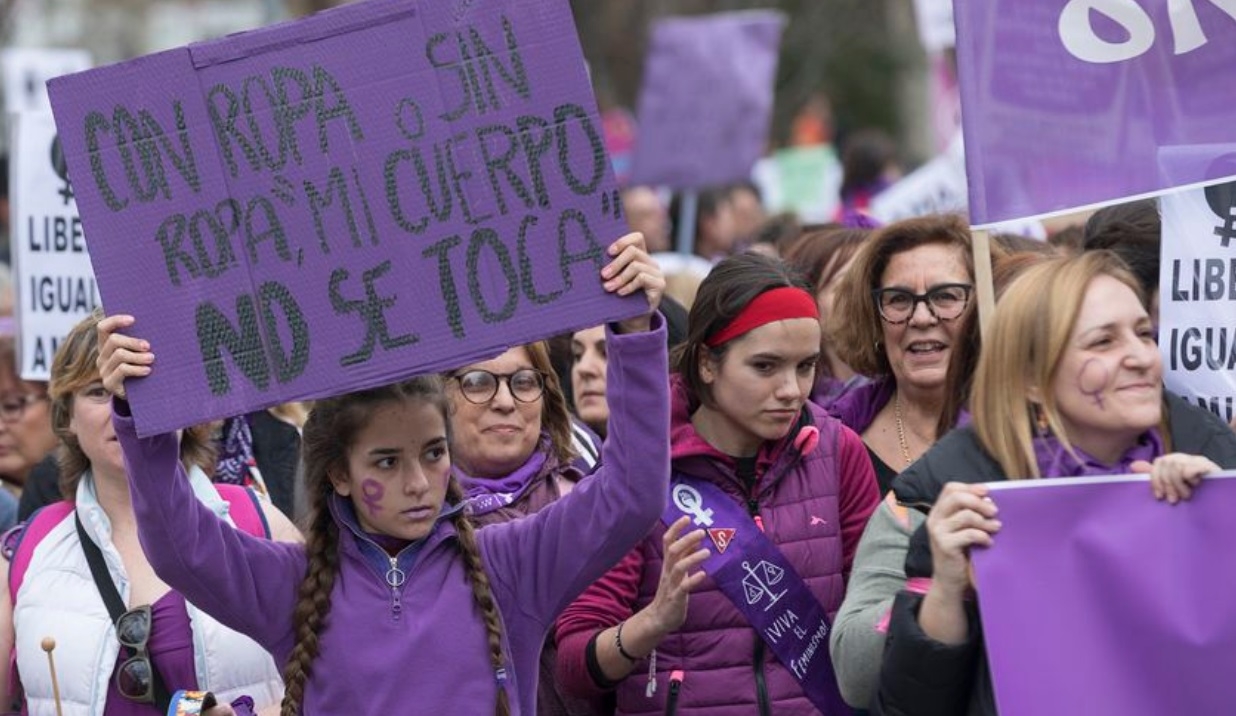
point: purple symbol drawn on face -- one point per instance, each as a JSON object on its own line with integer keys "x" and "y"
{"x": 372, "y": 493}
{"x": 1092, "y": 381}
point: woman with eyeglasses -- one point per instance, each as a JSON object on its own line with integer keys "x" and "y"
{"x": 397, "y": 603}
{"x": 725, "y": 606}
{"x": 511, "y": 451}
{"x": 26, "y": 436}
{"x": 1069, "y": 385}
{"x": 904, "y": 317}
{"x": 125, "y": 640}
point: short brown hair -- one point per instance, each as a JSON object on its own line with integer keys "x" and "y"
{"x": 75, "y": 367}
{"x": 820, "y": 255}
{"x": 555, "y": 414}
{"x": 854, "y": 328}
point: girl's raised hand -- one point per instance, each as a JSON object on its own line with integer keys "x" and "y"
{"x": 632, "y": 269}
{"x": 121, "y": 356}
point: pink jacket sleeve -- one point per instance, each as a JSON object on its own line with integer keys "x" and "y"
{"x": 860, "y": 493}
{"x": 611, "y": 599}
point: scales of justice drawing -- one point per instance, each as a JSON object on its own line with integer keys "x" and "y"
{"x": 759, "y": 583}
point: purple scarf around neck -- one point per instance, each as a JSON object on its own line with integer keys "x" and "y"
{"x": 857, "y": 408}
{"x": 1055, "y": 461}
{"x": 487, "y": 494}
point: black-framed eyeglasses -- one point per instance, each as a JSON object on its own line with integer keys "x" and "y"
{"x": 12, "y": 407}
{"x": 134, "y": 679}
{"x": 946, "y": 302}
{"x": 480, "y": 386}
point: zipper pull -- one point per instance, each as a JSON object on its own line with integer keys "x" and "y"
{"x": 753, "y": 508}
{"x": 395, "y": 578}
{"x": 652, "y": 675}
{"x": 675, "y": 684}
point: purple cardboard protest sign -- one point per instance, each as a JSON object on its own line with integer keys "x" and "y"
{"x": 1070, "y": 103}
{"x": 1098, "y": 599}
{"x": 707, "y": 99}
{"x": 387, "y": 188}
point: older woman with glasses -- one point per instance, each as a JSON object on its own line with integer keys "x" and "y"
{"x": 511, "y": 448}
{"x": 903, "y": 317}
{"x": 26, "y": 436}
{"x": 76, "y": 572}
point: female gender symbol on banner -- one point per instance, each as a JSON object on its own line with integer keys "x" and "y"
{"x": 758, "y": 588}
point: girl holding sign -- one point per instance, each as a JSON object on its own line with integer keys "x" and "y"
{"x": 767, "y": 501}
{"x": 1069, "y": 385}
{"x": 397, "y": 601}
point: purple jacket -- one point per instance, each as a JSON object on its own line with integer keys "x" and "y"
{"x": 547, "y": 487}
{"x": 423, "y": 645}
{"x": 813, "y": 506}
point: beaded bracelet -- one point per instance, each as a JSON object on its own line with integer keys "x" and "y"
{"x": 618, "y": 643}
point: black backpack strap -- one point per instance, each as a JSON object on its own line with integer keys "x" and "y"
{"x": 115, "y": 607}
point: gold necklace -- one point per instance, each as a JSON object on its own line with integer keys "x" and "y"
{"x": 901, "y": 429}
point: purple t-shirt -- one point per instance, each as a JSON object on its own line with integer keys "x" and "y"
{"x": 171, "y": 648}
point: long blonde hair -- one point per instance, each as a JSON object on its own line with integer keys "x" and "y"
{"x": 1027, "y": 338}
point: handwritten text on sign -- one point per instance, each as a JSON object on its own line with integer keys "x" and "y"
{"x": 385, "y": 188}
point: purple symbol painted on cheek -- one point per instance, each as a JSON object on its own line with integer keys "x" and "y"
{"x": 1092, "y": 381}
{"x": 372, "y": 493}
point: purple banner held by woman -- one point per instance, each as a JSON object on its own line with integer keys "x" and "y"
{"x": 1098, "y": 599}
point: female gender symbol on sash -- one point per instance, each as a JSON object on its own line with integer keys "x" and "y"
{"x": 758, "y": 588}
{"x": 689, "y": 500}
{"x": 747, "y": 571}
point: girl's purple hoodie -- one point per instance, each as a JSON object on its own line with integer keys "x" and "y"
{"x": 420, "y": 647}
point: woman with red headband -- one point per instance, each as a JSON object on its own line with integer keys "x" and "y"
{"x": 768, "y": 499}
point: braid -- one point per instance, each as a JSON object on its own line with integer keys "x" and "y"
{"x": 329, "y": 432}
{"x": 482, "y": 594}
{"x": 313, "y": 607}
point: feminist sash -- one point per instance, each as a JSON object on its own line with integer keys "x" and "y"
{"x": 762, "y": 584}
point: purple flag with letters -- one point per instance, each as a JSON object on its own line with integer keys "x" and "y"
{"x": 1077, "y": 103}
{"x": 387, "y": 188}
{"x": 707, "y": 99}
{"x": 1098, "y": 599}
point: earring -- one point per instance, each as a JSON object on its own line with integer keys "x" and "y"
{"x": 1040, "y": 421}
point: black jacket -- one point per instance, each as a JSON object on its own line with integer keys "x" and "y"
{"x": 922, "y": 677}
{"x": 276, "y": 450}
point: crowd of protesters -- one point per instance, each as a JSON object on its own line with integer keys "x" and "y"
{"x": 534, "y": 533}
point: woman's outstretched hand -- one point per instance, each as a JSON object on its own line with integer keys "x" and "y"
{"x": 1174, "y": 477}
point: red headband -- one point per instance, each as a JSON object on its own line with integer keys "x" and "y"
{"x": 778, "y": 304}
